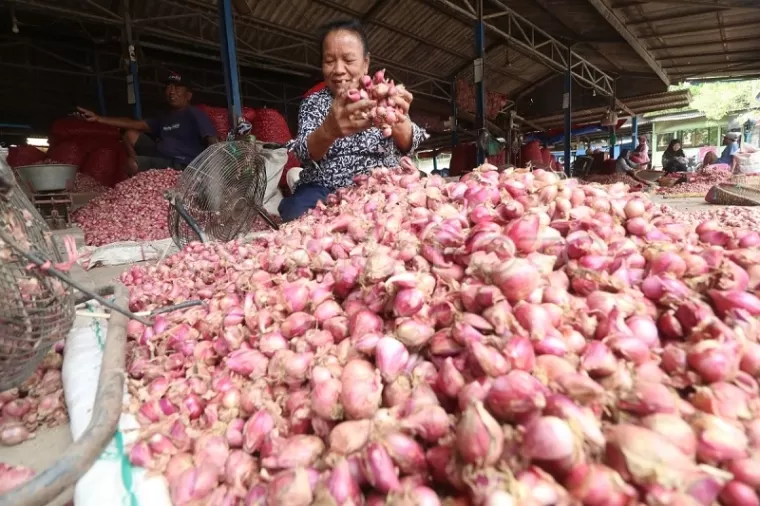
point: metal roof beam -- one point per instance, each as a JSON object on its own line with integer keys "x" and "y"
{"x": 535, "y": 43}
{"x": 669, "y": 17}
{"x": 699, "y": 31}
{"x": 690, "y": 45}
{"x": 436, "y": 46}
{"x": 632, "y": 40}
{"x": 717, "y": 65}
{"x": 729, "y": 4}
{"x": 416, "y": 81}
{"x": 368, "y": 16}
{"x": 731, "y": 54}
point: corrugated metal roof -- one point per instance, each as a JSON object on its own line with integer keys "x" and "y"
{"x": 419, "y": 37}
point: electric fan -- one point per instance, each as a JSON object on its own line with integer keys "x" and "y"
{"x": 220, "y": 194}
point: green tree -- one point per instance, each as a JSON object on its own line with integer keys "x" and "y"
{"x": 717, "y": 100}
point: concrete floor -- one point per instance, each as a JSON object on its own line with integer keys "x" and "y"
{"x": 40, "y": 452}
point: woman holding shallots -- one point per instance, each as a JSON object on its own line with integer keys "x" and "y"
{"x": 336, "y": 138}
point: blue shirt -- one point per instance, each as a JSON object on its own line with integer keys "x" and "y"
{"x": 729, "y": 151}
{"x": 181, "y": 135}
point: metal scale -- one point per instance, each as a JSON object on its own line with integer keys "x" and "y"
{"x": 54, "y": 207}
{"x": 49, "y": 187}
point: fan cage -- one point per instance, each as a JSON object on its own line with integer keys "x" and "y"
{"x": 220, "y": 190}
{"x": 36, "y": 311}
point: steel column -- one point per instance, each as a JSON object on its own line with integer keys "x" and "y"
{"x": 635, "y": 131}
{"x": 229, "y": 61}
{"x": 435, "y": 160}
{"x": 133, "y": 81}
{"x": 479, "y": 78}
{"x": 453, "y": 114}
{"x": 99, "y": 83}
{"x": 567, "y": 105}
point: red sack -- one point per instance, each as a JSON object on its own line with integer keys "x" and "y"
{"x": 531, "y": 152}
{"x": 249, "y": 114}
{"x": 103, "y": 164}
{"x": 270, "y": 126}
{"x": 219, "y": 118}
{"x": 68, "y": 152}
{"x": 546, "y": 156}
{"x": 66, "y": 128}
{"x": 18, "y": 156}
{"x": 316, "y": 88}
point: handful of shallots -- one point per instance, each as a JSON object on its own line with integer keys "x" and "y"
{"x": 384, "y": 115}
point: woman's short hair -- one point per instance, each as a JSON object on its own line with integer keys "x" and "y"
{"x": 350, "y": 25}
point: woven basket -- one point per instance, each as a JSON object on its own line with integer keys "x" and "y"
{"x": 733, "y": 195}
{"x": 750, "y": 180}
{"x": 650, "y": 175}
{"x": 681, "y": 195}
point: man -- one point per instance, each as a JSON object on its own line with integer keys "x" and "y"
{"x": 730, "y": 140}
{"x": 172, "y": 140}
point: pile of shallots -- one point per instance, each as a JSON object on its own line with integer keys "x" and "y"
{"x": 730, "y": 216}
{"x": 612, "y": 179}
{"x": 385, "y": 114}
{"x": 508, "y": 339}
{"x": 133, "y": 210}
{"x": 37, "y": 403}
{"x": 88, "y": 184}
{"x": 699, "y": 183}
{"x": 13, "y": 476}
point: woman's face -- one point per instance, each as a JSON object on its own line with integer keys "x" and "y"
{"x": 677, "y": 146}
{"x": 343, "y": 60}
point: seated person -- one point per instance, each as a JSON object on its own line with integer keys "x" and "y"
{"x": 730, "y": 140}
{"x": 336, "y": 140}
{"x": 624, "y": 165}
{"x": 640, "y": 155}
{"x": 710, "y": 159}
{"x": 674, "y": 159}
{"x": 172, "y": 140}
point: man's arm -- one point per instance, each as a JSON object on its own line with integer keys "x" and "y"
{"x": 205, "y": 127}
{"x": 124, "y": 123}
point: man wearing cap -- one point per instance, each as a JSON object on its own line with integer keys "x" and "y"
{"x": 730, "y": 140}
{"x": 172, "y": 140}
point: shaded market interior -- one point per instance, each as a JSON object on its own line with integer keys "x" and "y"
{"x": 54, "y": 53}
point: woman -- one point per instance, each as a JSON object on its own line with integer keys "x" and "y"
{"x": 336, "y": 141}
{"x": 674, "y": 159}
{"x": 624, "y": 165}
{"x": 640, "y": 155}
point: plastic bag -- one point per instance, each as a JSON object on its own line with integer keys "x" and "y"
{"x": 748, "y": 160}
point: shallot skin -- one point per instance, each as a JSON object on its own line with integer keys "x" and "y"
{"x": 508, "y": 338}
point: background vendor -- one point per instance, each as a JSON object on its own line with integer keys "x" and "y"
{"x": 731, "y": 141}
{"x": 335, "y": 140}
{"x": 172, "y": 140}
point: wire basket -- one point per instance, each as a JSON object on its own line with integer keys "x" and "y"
{"x": 733, "y": 195}
{"x": 36, "y": 310}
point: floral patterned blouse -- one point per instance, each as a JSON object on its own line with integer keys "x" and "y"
{"x": 349, "y": 156}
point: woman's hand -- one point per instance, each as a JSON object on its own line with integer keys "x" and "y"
{"x": 347, "y": 118}
{"x": 402, "y": 100}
